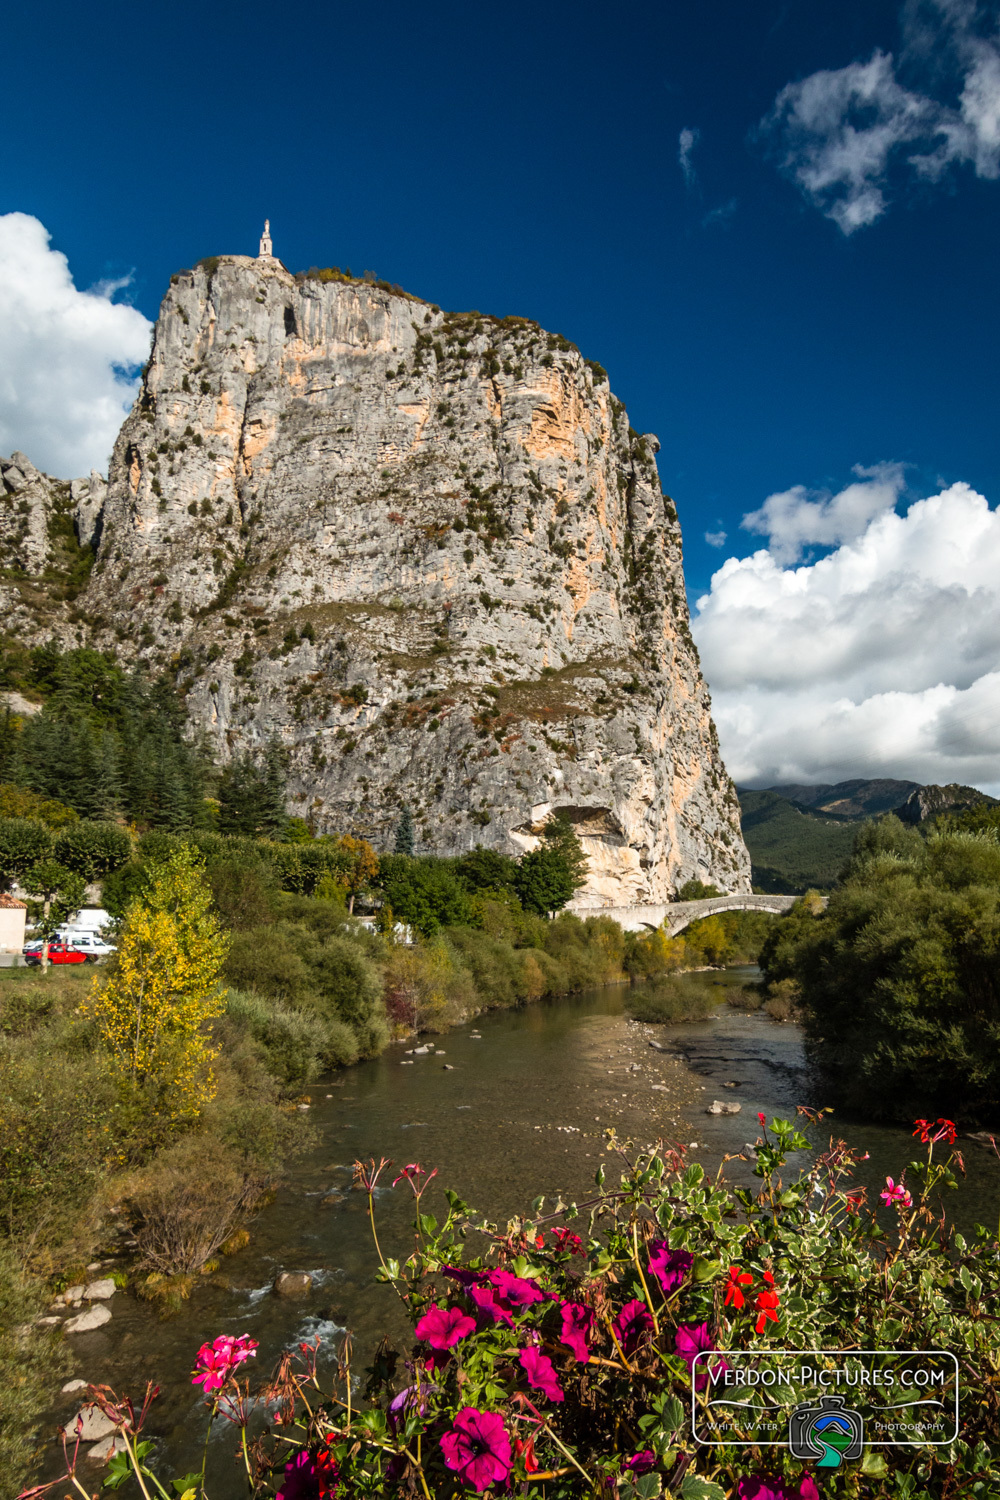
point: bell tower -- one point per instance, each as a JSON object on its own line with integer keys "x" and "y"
{"x": 265, "y": 252}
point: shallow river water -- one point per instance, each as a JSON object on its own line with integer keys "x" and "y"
{"x": 520, "y": 1111}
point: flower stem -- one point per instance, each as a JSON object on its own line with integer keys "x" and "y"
{"x": 645, "y": 1288}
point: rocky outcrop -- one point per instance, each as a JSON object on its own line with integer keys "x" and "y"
{"x": 928, "y": 801}
{"x": 428, "y": 552}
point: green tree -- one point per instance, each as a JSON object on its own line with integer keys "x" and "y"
{"x": 551, "y": 875}
{"x": 487, "y": 870}
{"x": 900, "y": 976}
{"x": 425, "y": 893}
{"x": 93, "y": 849}
{"x": 404, "y": 832}
{"x": 55, "y": 894}
{"x": 696, "y": 890}
{"x": 252, "y": 795}
{"x": 23, "y": 842}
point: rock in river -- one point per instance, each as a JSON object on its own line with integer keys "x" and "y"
{"x": 94, "y": 1317}
{"x": 723, "y": 1107}
{"x": 293, "y": 1283}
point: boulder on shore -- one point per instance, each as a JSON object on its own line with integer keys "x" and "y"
{"x": 85, "y": 1322}
{"x": 723, "y": 1107}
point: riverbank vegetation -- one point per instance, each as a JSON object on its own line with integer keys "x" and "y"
{"x": 899, "y": 977}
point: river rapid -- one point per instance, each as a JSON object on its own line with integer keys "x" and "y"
{"x": 517, "y": 1110}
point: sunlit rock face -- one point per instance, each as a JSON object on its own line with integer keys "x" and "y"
{"x": 428, "y": 553}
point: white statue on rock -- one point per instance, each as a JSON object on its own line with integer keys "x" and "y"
{"x": 266, "y": 253}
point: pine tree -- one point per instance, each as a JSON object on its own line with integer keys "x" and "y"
{"x": 404, "y": 832}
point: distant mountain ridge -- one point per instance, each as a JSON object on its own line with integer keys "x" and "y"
{"x": 857, "y": 799}
{"x": 800, "y": 837}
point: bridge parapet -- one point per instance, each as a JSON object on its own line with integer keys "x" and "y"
{"x": 676, "y": 915}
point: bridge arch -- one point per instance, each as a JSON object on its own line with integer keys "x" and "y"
{"x": 674, "y": 916}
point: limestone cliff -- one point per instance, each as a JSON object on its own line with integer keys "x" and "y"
{"x": 427, "y": 551}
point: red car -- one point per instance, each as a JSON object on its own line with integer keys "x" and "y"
{"x": 58, "y": 954}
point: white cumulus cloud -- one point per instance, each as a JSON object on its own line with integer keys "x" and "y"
{"x": 839, "y": 132}
{"x": 65, "y": 381}
{"x": 880, "y": 659}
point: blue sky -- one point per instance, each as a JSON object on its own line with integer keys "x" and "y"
{"x": 774, "y": 322}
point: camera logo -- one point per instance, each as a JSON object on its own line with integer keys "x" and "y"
{"x": 830, "y": 1432}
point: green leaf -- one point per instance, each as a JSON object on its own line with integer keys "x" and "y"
{"x": 694, "y": 1175}
{"x": 537, "y": 1204}
{"x": 696, "y": 1488}
{"x": 119, "y": 1468}
{"x": 428, "y": 1224}
{"x": 673, "y": 1415}
{"x": 873, "y": 1464}
{"x": 189, "y": 1482}
{"x": 599, "y": 1177}
{"x": 647, "y": 1487}
{"x": 965, "y": 1277}
{"x": 455, "y": 1203}
{"x": 704, "y": 1270}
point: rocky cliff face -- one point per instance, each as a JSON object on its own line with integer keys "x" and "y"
{"x": 427, "y": 551}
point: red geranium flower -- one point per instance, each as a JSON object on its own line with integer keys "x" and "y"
{"x": 767, "y": 1303}
{"x": 215, "y": 1363}
{"x": 477, "y": 1448}
{"x": 737, "y": 1279}
{"x": 526, "y": 1452}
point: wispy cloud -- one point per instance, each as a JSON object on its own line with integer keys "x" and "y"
{"x": 686, "y": 142}
{"x": 840, "y": 132}
{"x": 796, "y": 519}
{"x": 715, "y": 538}
{"x": 720, "y": 215}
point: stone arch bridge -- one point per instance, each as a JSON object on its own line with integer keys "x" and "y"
{"x": 674, "y": 916}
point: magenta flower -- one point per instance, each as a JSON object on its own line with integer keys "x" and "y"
{"x": 515, "y": 1291}
{"x": 669, "y": 1266}
{"x": 215, "y": 1362}
{"x": 577, "y": 1322}
{"x": 759, "y": 1488}
{"x": 641, "y": 1463}
{"x": 895, "y": 1192}
{"x": 444, "y": 1327}
{"x": 487, "y": 1304}
{"x": 541, "y": 1373}
{"x": 692, "y": 1339}
{"x": 310, "y": 1476}
{"x": 477, "y": 1448}
{"x": 633, "y": 1325}
{"x": 463, "y": 1275}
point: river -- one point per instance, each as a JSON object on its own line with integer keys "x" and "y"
{"x": 519, "y": 1110}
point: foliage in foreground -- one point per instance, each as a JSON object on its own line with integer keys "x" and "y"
{"x": 564, "y": 1364}
{"x": 900, "y": 976}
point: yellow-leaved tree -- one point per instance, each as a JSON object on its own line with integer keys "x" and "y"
{"x": 162, "y": 990}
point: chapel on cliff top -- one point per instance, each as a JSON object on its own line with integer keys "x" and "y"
{"x": 265, "y": 252}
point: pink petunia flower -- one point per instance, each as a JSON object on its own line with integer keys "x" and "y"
{"x": 515, "y": 1291}
{"x": 310, "y": 1476}
{"x": 759, "y": 1488}
{"x": 488, "y": 1305}
{"x": 895, "y": 1192}
{"x": 669, "y": 1266}
{"x": 444, "y": 1327}
{"x": 477, "y": 1448}
{"x": 633, "y": 1326}
{"x": 577, "y": 1322}
{"x": 692, "y": 1339}
{"x": 541, "y": 1373}
{"x": 215, "y": 1362}
{"x": 642, "y": 1462}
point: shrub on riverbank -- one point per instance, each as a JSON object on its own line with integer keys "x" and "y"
{"x": 669, "y": 1000}
{"x": 899, "y": 976}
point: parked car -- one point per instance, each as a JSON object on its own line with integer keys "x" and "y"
{"x": 90, "y": 943}
{"x": 59, "y": 953}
